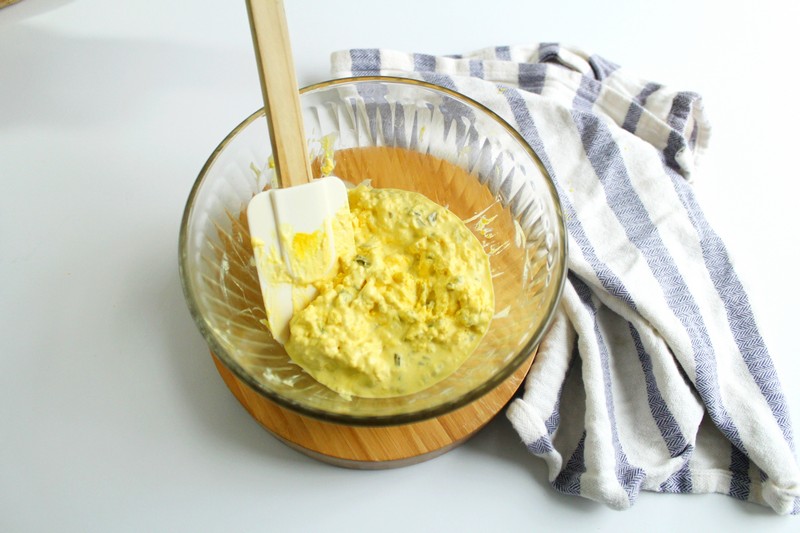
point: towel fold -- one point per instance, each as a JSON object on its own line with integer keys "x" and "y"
{"x": 654, "y": 375}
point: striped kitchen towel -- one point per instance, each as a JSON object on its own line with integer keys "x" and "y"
{"x": 654, "y": 375}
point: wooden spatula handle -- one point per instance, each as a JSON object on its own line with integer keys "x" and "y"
{"x": 279, "y": 86}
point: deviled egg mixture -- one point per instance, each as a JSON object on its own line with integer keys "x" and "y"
{"x": 406, "y": 307}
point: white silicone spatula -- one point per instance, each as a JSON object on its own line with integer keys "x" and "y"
{"x": 302, "y": 206}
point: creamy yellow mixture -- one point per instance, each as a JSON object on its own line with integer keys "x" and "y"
{"x": 407, "y": 306}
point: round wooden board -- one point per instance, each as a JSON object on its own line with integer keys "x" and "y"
{"x": 373, "y": 447}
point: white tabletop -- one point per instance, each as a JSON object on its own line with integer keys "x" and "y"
{"x": 113, "y": 417}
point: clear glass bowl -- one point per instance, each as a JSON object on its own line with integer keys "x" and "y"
{"x": 423, "y": 138}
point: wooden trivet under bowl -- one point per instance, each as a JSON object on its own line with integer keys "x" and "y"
{"x": 374, "y": 447}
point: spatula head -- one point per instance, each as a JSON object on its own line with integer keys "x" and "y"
{"x": 298, "y": 235}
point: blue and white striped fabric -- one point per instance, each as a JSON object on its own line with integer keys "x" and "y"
{"x": 654, "y": 375}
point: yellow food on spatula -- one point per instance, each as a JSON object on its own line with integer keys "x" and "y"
{"x": 298, "y": 237}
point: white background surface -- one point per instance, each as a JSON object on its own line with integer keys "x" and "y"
{"x": 112, "y": 417}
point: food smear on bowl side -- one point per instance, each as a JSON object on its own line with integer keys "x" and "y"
{"x": 407, "y": 306}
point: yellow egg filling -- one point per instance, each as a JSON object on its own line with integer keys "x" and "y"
{"x": 405, "y": 308}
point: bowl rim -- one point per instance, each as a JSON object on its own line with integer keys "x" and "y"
{"x": 370, "y": 420}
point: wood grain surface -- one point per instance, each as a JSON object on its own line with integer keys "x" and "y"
{"x": 379, "y": 446}
{"x": 279, "y": 87}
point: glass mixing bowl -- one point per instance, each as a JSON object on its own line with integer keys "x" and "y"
{"x": 397, "y": 133}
